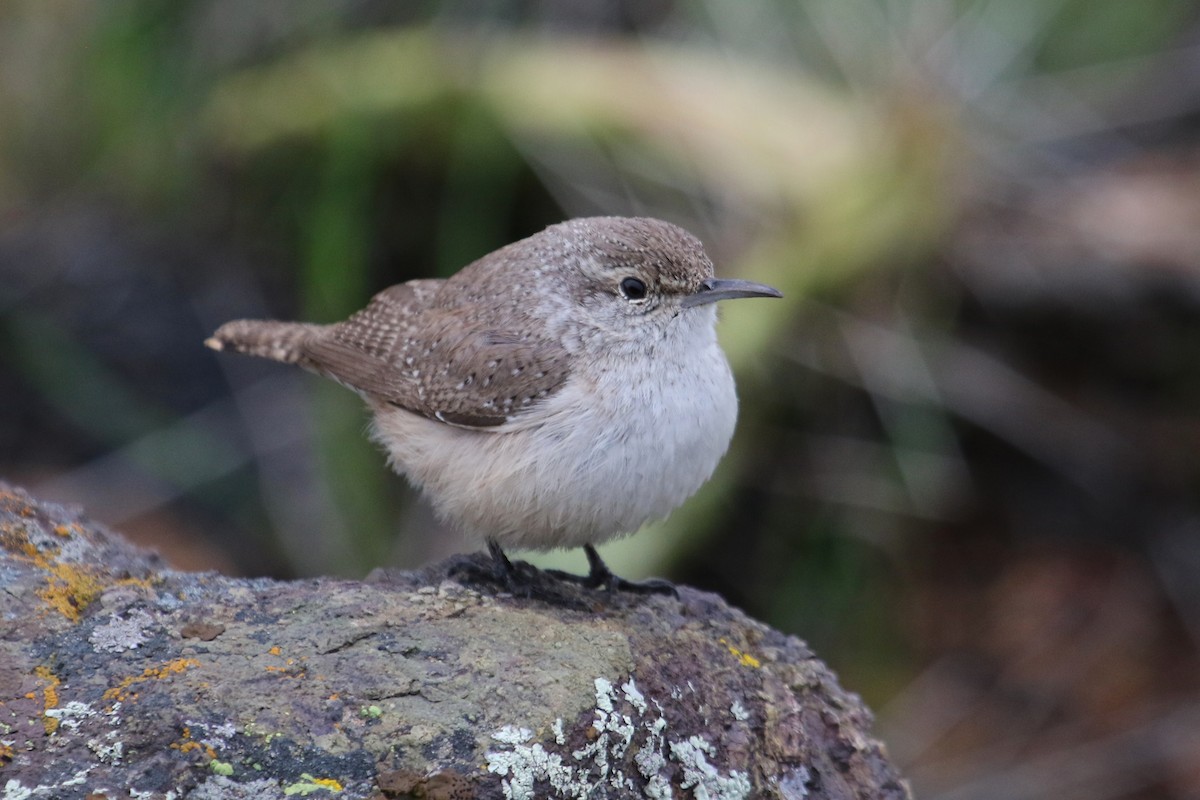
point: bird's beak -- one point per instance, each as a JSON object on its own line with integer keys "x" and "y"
{"x": 715, "y": 289}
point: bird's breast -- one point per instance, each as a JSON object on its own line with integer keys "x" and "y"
{"x": 632, "y": 443}
{"x": 624, "y": 441}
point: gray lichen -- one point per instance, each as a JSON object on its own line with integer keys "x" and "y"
{"x": 123, "y": 678}
{"x": 120, "y": 634}
{"x": 594, "y": 769}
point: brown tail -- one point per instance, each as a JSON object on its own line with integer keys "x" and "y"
{"x": 280, "y": 341}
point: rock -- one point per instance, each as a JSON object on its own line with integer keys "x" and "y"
{"x": 120, "y": 677}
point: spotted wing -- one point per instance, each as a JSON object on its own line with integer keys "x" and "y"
{"x": 442, "y": 363}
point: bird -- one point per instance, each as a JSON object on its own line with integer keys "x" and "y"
{"x": 559, "y": 392}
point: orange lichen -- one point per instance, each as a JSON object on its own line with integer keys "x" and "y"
{"x": 16, "y": 504}
{"x": 290, "y": 671}
{"x": 16, "y": 541}
{"x": 148, "y": 584}
{"x": 176, "y": 666}
{"x": 49, "y": 696}
{"x": 746, "y": 659}
{"x": 189, "y": 745}
{"x": 308, "y": 784}
{"x": 70, "y": 588}
{"x": 328, "y": 783}
{"x": 289, "y": 667}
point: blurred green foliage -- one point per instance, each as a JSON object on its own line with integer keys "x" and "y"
{"x": 160, "y": 107}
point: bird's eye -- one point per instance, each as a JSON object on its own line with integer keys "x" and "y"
{"x": 633, "y": 289}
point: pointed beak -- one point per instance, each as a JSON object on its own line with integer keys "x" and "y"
{"x": 715, "y": 289}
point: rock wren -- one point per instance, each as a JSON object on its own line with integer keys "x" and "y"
{"x": 559, "y": 392}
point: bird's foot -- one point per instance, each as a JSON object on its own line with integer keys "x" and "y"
{"x": 514, "y": 578}
{"x": 519, "y": 578}
{"x": 522, "y": 579}
{"x": 600, "y": 576}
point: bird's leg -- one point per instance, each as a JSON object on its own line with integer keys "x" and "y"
{"x": 501, "y": 571}
{"x": 504, "y": 570}
{"x": 599, "y": 575}
{"x": 513, "y": 579}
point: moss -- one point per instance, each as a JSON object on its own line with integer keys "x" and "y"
{"x": 308, "y": 784}
{"x": 221, "y": 767}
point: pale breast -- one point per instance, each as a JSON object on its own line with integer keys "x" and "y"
{"x": 612, "y": 451}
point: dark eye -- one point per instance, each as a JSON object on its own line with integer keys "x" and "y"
{"x": 633, "y": 289}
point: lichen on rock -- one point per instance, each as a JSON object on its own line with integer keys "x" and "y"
{"x": 167, "y": 684}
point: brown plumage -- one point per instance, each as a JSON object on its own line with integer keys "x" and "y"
{"x": 558, "y": 392}
{"x": 445, "y": 359}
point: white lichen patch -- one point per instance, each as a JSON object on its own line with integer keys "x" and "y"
{"x": 634, "y": 697}
{"x": 15, "y": 790}
{"x": 511, "y": 734}
{"x": 651, "y": 762}
{"x": 109, "y": 750}
{"x": 72, "y": 714}
{"x": 702, "y": 777}
{"x": 739, "y": 712}
{"x": 122, "y": 633}
{"x": 560, "y": 736}
{"x": 216, "y": 736}
{"x": 604, "y": 696}
{"x": 592, "y": 769}
{"x": 525, "y": 765}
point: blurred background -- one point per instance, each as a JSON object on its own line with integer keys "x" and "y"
{"x": 967, "y": 468}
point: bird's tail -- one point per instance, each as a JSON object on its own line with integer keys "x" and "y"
{"x": 279, "y": 341}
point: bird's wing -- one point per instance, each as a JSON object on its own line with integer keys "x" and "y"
{"x": 442, "y": 363}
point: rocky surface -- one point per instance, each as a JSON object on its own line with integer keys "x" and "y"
{"x": 122, "y": 678}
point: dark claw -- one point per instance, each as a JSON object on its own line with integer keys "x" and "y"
{"x": 522, "y": 579}
{"x": 518, "y": 579}
{"x": 500, "y": 571}
{"x": 599, "y": 575}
